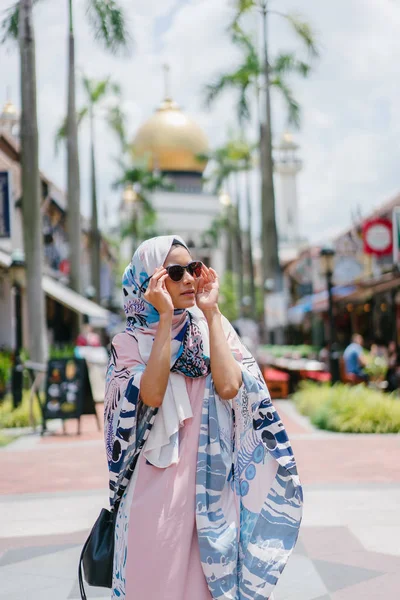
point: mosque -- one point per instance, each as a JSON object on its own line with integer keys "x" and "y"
{"x": 171, "y": 142}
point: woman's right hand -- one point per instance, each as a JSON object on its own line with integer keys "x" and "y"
{"x": 157, "y": 294}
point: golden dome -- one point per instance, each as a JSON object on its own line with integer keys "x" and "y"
{"x": 9, "y": 108}
{"x": 170, "y": 140}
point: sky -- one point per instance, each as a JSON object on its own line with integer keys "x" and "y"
{"x": 350, "y": 130}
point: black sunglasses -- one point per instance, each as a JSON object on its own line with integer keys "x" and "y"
{"x": 176, "y": 272}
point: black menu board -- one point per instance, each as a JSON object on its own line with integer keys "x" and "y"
{"x": 68, "y": 391}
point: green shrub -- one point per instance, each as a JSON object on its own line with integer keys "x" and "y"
{"x": 302, "y": 351}
{"x": 5, "y": 368}
{"x": 61, "y": 351}
{"x": 349, "y": 409}
{"x": 19, "y": 417}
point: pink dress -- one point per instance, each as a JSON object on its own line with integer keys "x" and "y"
{"x": 163, "y": 561}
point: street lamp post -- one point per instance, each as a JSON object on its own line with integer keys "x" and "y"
{"x": 17, "y": 269}
{"x": 327, "y": 256}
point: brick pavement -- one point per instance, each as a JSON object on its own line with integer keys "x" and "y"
{"x": 52, "y": 489}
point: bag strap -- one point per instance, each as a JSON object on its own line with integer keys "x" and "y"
{"x": 80, "y": 575}
{"x": 152, "y": 412}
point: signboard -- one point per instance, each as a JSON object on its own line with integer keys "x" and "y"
{"x": 5, "y": 201}
{"x": 396, "y": 234}
{"x": 68, "y": 391}
{"x": 378, "y": 237}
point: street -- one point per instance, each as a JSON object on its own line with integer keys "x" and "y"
{"x": 349, "y": 547}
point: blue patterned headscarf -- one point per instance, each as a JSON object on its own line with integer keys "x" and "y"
{"x": 142, "y": 318}
{"x": 148, "y": 256}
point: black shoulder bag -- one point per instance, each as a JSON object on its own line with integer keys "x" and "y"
{"x": 97, "y": 555}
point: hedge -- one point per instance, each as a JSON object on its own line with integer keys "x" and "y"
{"x": 349, "y": 409}
{"x": 19, "y": 417}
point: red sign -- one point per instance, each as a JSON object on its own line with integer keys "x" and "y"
{"x": 64, "y": 267}
{"x": 378, "y": 237}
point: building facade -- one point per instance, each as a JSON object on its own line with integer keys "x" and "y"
{"x": 62, "y": 304}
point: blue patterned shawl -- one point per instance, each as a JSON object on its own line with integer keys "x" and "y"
{"x": 248, "y": 494}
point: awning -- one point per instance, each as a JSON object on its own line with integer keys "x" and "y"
{"x": 320, "y": 300}
{"x": 316, "y": 303}
{"x": 297, "y": 312}
{"x": 5, "y": 259}
{"x": 98, "y": 316}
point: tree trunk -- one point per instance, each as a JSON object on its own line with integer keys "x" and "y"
{"x": 31, "y": 192}
{"x": 95, "y": 242}
{"x": 238, "y": 245}
{"x": 269, "y": 235}
{"x": 229, "y": 240}
{"x": 73, "y": 181}
{"x": 250, "y": 246}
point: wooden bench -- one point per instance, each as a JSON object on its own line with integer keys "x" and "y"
{"x": 277, "y": 382}
{"x": 349, "y": 378}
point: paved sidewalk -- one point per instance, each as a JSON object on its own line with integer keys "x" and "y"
{"x": 52, "y": 490}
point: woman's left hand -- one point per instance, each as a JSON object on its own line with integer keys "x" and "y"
{"x": 207, "y": 290}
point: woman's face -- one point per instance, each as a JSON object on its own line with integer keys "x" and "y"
{"x": 183, "y": 292}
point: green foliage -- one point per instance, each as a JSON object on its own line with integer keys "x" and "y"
{"x": 108, "y": 23}
{"x": 301, "y": 351}
{"x": 9, "y": 23}
{"x": 247, "y": 76}
{"x": 228, "y": 296}
{"x": 61, "y": 133}
{"x": 61, "y": 351}
{"x": 5, "y": 368}
{"x": 349, "y": 409}
{"x": 376, "y": 366}
{"x": 19, "y": 417}
{"x": 304, "y": 31}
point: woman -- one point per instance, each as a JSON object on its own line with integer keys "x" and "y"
{"x": 212, "y": 507}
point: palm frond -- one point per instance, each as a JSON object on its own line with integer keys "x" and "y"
{"x": 288, "y": 63}
{"x": 100, "y": 89}
{"x": 108, "y": 23}
{"x": 116, "y": 120}
{"x": 9, "y": 23}
{"x": 243, "y": 106}
{"x": 61, "y": 133}
{"x": 214, "y": 90}
{"x": 243, "y": 6}
{"x": 304, "y": 32}
{"x": 292, "y": 105}
{"x": 60, "y": 136}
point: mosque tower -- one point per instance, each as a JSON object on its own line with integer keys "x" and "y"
{"x": 287, "y": 165}
{"x": 9, "y": 118}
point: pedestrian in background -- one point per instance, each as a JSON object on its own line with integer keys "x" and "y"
{"x": 354, "y": 358}
{"x": 213, "y": 505}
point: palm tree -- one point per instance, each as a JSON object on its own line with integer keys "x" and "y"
{"x": 246, "y": 80}
{"x": 18, "y": 25}
{"x": 140, "y": 182}
{"x": 242, "y": 153}
{"x": 108, "y": 24}
{"x": 107, "y": 21}
{"x": 274, "y": 75}
{"x": 96, "y": 92}
{"x": 223, "y": 175}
